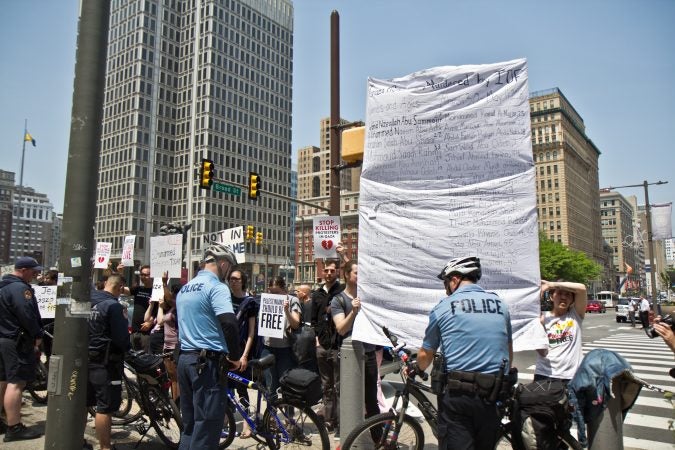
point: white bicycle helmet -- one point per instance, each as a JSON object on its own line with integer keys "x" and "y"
{"x": 219, "y": 251}
{"x": 469, "y": 265}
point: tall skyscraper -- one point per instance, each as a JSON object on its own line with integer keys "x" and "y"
{"x": 566, "y": 162}
{"x": 617, "y": 214}
{"x": 188, "y": 80}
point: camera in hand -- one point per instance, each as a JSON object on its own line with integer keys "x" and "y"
{"x": 668, "y": 320}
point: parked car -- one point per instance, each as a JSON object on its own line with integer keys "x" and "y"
{"x": 595, "y": 306}
{"x": 622, "y": 309}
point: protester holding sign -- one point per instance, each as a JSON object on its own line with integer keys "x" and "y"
{"x": 563, "y": 356}
{"x": 281, "y": 347}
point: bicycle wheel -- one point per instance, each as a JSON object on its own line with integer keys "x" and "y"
{"x": 38, "y": 387}
{"x": 288, "y": 425}
{"x": 164, "y": 416}
{"x": 229, "y": 428}
{"x": 379, "y": 432}
{"x": 130, "y": 409}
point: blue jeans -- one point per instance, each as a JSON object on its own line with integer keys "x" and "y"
{"x": 284, "y": 361}
{"x": 202, "y": 402}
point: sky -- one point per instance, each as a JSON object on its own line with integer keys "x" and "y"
{"x": 613, "y": 59}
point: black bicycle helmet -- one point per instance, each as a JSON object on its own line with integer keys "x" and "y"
{"x": 469, "y": 265}
{"x": 219, "y": 251}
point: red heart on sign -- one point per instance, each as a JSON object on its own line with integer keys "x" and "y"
{"x": 101, "y": 259}
{"x": 327, "y": 244}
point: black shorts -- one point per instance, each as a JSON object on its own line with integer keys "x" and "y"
{"x": 16, "y": 367}
{"x": 104, "y": 388}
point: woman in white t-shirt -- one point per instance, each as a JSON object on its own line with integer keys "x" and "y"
{"x": 561, "y": 359}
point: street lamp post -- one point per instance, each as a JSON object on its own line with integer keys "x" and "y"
{"x": 650, "y": 242}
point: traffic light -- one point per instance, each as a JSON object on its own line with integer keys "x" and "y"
{"x": 253, "y": 185}
{"x": 352, "y": 143}
{"x": 206, "y": 174}
{"x": 249, "y": 232}
{"x": 258, "y": 237}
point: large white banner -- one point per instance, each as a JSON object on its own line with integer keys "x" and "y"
{"x": 447, "y": 172}
{"x": 166, "y": 255}
{"x": 232, "y": 238}
{"x": 662, "y": 227}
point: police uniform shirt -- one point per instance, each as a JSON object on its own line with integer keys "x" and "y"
{"x": 107, "y": 324}
{"x": 198, "y": 304}
{"x": 474, "y": 329}
{"x": 18, "y": 308}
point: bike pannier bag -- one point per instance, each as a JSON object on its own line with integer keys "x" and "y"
{"x": 540, "y": 414}
{"x": 301, "y": 386}
{"x": 143, "y": 362}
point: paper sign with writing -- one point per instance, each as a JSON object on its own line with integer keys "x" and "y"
{"x": 447, "y": 172}
{"x": 166, "y": 255}
{"x": 326, "y": 236}
{"x": 102, "y": 257}
{"x": 128, "y": 250}
{"x": 157, "y": 290}
{"x": 271, "y": 317}
{"x": 46, "y": 300}
{"x": 232, "y": 238}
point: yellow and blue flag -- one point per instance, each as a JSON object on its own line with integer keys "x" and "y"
{"x": 27, "y": 137}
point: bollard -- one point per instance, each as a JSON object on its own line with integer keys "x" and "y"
{"x": 607, "y": 430}
{"x": 351, "y": 386}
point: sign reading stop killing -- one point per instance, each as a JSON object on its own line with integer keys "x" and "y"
{"x": 326, "y": 236}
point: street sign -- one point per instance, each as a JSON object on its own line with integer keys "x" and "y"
{"x": 226, "y": 188}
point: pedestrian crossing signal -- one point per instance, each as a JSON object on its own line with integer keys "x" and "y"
{"x": 206, "y": 174}
{"x": 253, "y": 185}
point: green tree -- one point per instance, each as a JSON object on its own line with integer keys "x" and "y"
{"x": 559, "y": 262}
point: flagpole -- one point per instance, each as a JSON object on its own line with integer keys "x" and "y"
{"x": 19, "y": 219}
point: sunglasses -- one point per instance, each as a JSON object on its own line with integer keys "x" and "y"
{"x": 235, "y": 279}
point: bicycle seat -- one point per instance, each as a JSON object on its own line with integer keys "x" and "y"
{"x": 262, "y": 363}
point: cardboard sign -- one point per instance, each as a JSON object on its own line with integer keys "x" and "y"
{"x": 46, "y": 300}
{"x": 447, "y": 172}
{"x": 166, "y": 255}
{"x": 102, "y": 256}
{"x": 326, "y": 236}
{"x": 271, "y": 317}
{"x": 128, "y": 250}
{"x": 233, "y": 238}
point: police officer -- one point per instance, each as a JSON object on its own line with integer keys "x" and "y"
{"x": 209, "y": 343}
{"x": 108, "y": 341}
{"x": 20, "y": 333}
{"x": 473, "y": 329}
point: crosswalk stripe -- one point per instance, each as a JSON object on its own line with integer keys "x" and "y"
{"x": 630, "y": 442}
{"x": 644, "y": 420}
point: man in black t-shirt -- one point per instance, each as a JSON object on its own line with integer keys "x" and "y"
{"x": 140, "y": 337}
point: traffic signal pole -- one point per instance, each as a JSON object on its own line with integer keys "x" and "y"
{"x": 67, "y": 382}
{"x": 334, "y": 113}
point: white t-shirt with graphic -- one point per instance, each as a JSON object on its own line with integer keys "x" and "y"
{"x": 564, "y": 346}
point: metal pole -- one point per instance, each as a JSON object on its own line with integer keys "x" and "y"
{"x": 334, "y": 179}
{"x": 302, "y": 252}
{"x": 19, "y": 218}
{"x": 67, "y": 385}
{"x": 351, "y": 379}
{"x": 650, "y": 244}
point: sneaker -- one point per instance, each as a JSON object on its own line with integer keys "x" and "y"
{"x": 3, "y": 427}
{"x": 20, "y": 432}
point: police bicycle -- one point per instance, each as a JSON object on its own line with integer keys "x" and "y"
{"x": 146, "y": 398}
{"x": 281, "y": 424}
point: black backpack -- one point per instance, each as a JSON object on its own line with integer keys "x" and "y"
{"x": 301, "y": 386}
{"x": 540, "y": 415}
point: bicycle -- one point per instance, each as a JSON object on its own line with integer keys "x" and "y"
{"x": 395, "y": 429}
{"x": 283, "y": 424}
{"x": 38, "y": 387}
{"x": 150, "y": 391}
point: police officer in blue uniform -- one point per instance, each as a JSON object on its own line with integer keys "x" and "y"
{"x": 20, "y": 333}
{"x": 209, "y": 346}
{"x": 473, "y": 329}
{"x": 108, "y": 341}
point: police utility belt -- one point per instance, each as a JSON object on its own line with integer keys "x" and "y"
{"x": 219, "y": 358}
{"x": 487, "y": 386}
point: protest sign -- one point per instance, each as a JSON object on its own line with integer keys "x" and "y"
{"x": 157, "y": 290}
{"x": 46, "y": 300}
{"x": 447, "y": 172}
{"x": 166, "y": 255}
{"x": 102, "y": 256}
{"x": 128, "y": 250}
{"x": 233, "y": 238}
{"x": 271, "y": 317}
{"x": 326, "y": 236}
